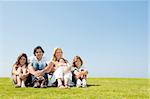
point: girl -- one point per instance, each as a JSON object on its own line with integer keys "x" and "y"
{"x": 20, "y": 70}
{"x": 52, "y": 66}
{"x": 79, "y": 72}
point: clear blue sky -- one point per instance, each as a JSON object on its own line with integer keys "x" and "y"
{"x": 110, "y": 36}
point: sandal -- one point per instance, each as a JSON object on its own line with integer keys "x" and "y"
{"x": 67, "y": 86}
{"x": 36, "y": 85}
{"x": 17, "y": 86}
{"x": 61, "y": 86}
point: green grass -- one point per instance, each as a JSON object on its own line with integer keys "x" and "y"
{"x": 99, "y": 88}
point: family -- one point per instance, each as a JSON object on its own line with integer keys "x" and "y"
{"x": 35, "y": 71}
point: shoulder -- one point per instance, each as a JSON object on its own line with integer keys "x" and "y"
{"x": 44, "y": 59}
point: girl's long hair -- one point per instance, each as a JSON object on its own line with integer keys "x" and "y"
{"x": 75, "y": 59}
{"x": 19, "y": 57}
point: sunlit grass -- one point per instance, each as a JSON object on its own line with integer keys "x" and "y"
{"x": 98, "y": 88}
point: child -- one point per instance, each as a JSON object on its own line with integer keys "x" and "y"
{"x": 62, "y": 73}
{"x": 20, "y": 70}
{"x": 79, "y": 73}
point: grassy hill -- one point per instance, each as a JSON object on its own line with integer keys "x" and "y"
{"x": 98, "y": 88}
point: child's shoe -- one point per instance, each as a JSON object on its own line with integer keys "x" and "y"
{"x": 84, "y": 84}
{"x": 36, "y": 85}
{"x": 23, "y": 85}
{"x": 67, "y": 86}
{"x": 43, "y": 86}
{"x": 17, "y": 86}
{"x": 61, "y": 86}
{"x": 78, "y": 83}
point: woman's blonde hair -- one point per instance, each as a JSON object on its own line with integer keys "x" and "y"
{"x": 54, "y": 53}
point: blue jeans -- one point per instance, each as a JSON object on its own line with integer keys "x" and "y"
{"x": 36, "y": 67}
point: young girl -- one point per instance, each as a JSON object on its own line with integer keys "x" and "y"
{"x": 79, "y": 72}
{"x": 62, "y": 73}
{"x": 20, "y": 70}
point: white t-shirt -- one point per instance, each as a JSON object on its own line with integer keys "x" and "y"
{"x": 34, "y": 61}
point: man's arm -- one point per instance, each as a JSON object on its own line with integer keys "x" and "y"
{"x": 31, "y": 69}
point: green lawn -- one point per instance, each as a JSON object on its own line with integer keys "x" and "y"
{"x": 98, "y": 88}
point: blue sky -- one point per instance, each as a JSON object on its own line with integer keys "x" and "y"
{"x": 110, "y": 36}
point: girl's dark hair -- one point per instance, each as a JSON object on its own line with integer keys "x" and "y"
{"x": 74, "y": 60}
{"x": 19, "y": 57}
{"x": 38, "y": 47}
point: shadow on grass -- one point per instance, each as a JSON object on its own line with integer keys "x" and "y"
{"x": 90, "y": 85}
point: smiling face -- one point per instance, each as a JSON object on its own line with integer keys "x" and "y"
{"x": 78, "y": 63}
{"x": 39, "y": 54}
{"x": 58, "y": 54}
{"x": 22, "y": 60}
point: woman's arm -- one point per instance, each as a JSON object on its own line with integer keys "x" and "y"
{"x": 48, "y": 68}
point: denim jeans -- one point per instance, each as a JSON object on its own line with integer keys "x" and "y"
{"x": 36, "y": 67}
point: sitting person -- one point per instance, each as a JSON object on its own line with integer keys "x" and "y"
{"x": 20, "y": 71}
{"x": 37, "y": 64}
{"x": 79, "y": 72}
{"x": 52, "y": 66}
{"x": 62, "y": 73}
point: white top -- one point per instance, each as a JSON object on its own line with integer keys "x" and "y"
{"x": 42, "y": 62}
{"x": 34, "y": 59}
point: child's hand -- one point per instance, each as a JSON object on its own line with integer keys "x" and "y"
{"x": 84, "y": 72}
{"x": 77, "y": 75}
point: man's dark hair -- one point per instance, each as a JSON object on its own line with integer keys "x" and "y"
{"x": 38, "y": 47}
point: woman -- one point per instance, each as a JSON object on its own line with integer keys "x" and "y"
{"x": 57, "y": 55}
